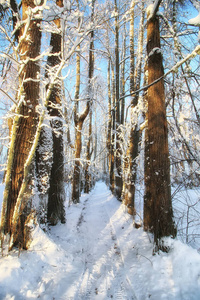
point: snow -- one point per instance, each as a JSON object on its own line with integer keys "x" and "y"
{"x": 149, "y": 10}
{"x": 154, "y": 51}
{"x": 195, "y": 21}
{"x": 98, "y": 254}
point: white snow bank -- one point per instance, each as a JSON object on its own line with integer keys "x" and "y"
{"x": 98, "y": 254}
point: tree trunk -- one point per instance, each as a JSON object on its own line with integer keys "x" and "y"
{"x": 78, "y": 133}
{"x": 44, "y": 159}
{"x": 77, "y": 165}
{"x": 109, "y": 129}
{"x": 56, "y": 199}
{"x": 158, "y": 215}
{"x": 112, "y": 150}
{"x": 88, "y": 183}
{"x": 23, "y": 132}
{"x": 118, "y": 155}
{"x": 135, "y": 77}
{"x": 79, "y": 120}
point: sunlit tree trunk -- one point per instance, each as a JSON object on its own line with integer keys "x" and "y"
{"x": 158, "y": 215}
{"x": 23, "y": 132}
{"x": 78, "y": 129}
{"x": 79, "y": 120}
{"x": 56, "y": 197}
{"x": 135, "y": 78}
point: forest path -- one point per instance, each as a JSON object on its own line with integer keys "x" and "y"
{"x": 100, "y": 272}
{"x": 98, "y": 255}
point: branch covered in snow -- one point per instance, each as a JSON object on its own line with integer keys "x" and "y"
{"x": 195, "y": 21}
{"x": 193, "y": 54}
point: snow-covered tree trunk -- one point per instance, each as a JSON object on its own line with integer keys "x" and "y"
{"x": 135, "y": 78}
{"x": 43, "y": 169}
{"x": 23, "y": 132}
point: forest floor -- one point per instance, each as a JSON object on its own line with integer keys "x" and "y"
{"x": 98, "y": 254}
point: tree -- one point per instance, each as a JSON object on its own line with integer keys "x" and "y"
{"x": 79, "y": 119}
{"x": 16, "y": 209}
{"x": 56, "y": 195}
{"x": 158, "y": 214}
{"x": 135, "y": 78}
{"x": 88, "y": 183}
{"x": 118, "y": 152}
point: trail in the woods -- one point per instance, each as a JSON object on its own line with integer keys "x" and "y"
{"x": 99, "y": 255}
{"x": 101, "y": 273}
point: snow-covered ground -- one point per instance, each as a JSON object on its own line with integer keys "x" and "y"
{"x": 98, "y": 254}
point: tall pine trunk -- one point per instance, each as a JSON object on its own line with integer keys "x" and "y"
{"x": 158, "y": 215}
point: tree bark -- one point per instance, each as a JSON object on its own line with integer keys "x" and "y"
{"x": 158, "y": 214}
{"x": 109, "y": 128}
{"x": 135, "y": 78}
{"x": 118, "y": 153}
{"x": 23, "y": 131}
{"x": 78, "y": 132}
{"x": 88, "y": 183}
{"x": 79, "y": 120}
{"x": 56, "y": 197}
{"x": 112, "y": 150}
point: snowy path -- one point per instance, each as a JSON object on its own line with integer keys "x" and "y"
{"x": 102, "y": 274}
{"x": 99, "y": 255}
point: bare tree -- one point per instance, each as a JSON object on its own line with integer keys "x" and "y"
{"x": 79, "y": 119}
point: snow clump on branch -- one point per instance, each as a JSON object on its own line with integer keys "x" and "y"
{"x": 196, "y": 22}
